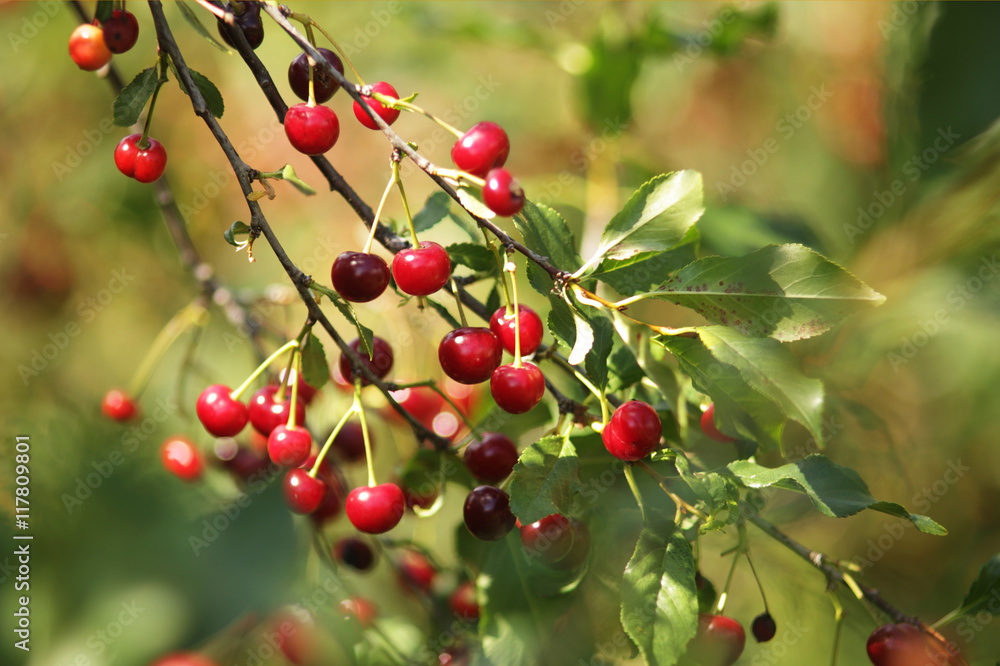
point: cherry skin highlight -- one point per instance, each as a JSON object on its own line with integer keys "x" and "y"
{"x": 118, "y": 406}
{"x": 289, "y": 446}
{"x": 517, "y": 390}
{"x": 710, "y": 429}
{"x": 487, "y": 513}
{"x": 181, "y": 458}
{"x": 87, "y": 48}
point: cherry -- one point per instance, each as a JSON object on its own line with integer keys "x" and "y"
{"x": 380, "y": 364}
{"x": 125, "y": 154}
{"x": 416, "y": 570}
{"x": 502, "y": 193}
{"x": 296, "y": 639}
{"x": 550, "y": 539}
{"x": 580, "y": 550}
{"x": 266, "y": 414}
{"x": 719, "y": 641}
{"x": 710, "y": 429}
{"x": 504, "y": 325}
{"x": 763, "y": 627}
{"x": 184, "y": 659}
{"x": 324, "y": 85}
{"x": 248, "y": 21}
{"x": 469, "y": 355}
{"x": 454, "y": 656}
{"x": 362, "y": 610}
{"x": 306, "y": 392}
{"x": 350, "y": 442}
{"x": 414, "y": 498}
{"x": 386, "y": 113}
{"x": 150, "y": 162}
{"x": 118, "y": 406}
{"x": 491, "y": 459}
{"x": 517, "y": 390}
{"x": 633, "y": 431}
{"x": 463, "y": 602}
{"x": 422, "y": 402}
{"x": 355, "y": 553}
{"x": 181, "y": 458}
{"x": 311, "y": 130}
{"x": 87, "y": 47}
{"x": 120, "y": 31}
{"x": 247, "y": 465}
{"x": 487, "y": 513}
{"x": 221, "y": 415}
{"x": 333, "y": 501}
{"x": 482, "y": 148}
{"x": 360, "y": 277}
{"x": 289, "y": 445}
{"x": 422, "y": 270}
{"x": 905, "y": 645}
{"x": 303, "y": 493}
{"x": 375, "y": 509}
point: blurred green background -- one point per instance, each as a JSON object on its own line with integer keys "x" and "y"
{"x": 864, "y": 130}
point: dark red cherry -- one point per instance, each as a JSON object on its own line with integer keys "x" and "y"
{"x": 266, "y": 414}
{"x": 517, "y": 390}
{"x": 906, "y": 645}
{"x": 118, "y": 406}
{"x": 719, "y": 641}
{"x": 487, "y": 513}
{"x": 482, "y": 148}
{"x": 360, "y": 277}
{"x": 463, "y": 602}
{"x": 221, "y": 415}
{"x": 375, "y": 509}
{"x": 633, "y": 431}
{"x": 247, "y": 21}
{"x": 503, "y": 326}
{"x": 416, "y": 570}
{"x": 469, "y": 355}
{"x": 763, "y": 627}
{"x": 355, "y": 553}
{"x": 492, "y": 458}
{"x": 324, "y": 85}
{"x": 350, "y": 442}
{"x": 379, "y": 364}
{"x": 332, "y": 503}
{"x": 386, "y": 113}
{"x": 120, "y": 31}
{"x": 549, "y": 539}
{"x": 247, "y": 465}
{"x": 303, "y": 493}
{"x": 312, "y": 130}
{"x": 577, "y": 555}
{"x": 710, "y": 429}
{"x": 422, "y": 270}
{"x": 502, "y": 193}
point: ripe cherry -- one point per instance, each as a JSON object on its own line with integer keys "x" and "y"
{"x": 87, "y": 47}
{"x": 763, "y": 627}
{"x": 266, "y": 414}
{"x": 360, "y": 277}
{"x": 482, "y": 148}
{"x": 906, "y": 645}
{"x": 719, "y": 642}
{"x": 549, "y": 539}
{"x": 633, "y": 431}
{"x": 181, "y": 458}
{"x": 311, "y": 130}
{"x": 421, "y": 271}
{"x": 289, "y": 445}
{"x": 379, "y": 364}
{"x": 386, "y": 113}
{"x": 504, "y": 325}
{"x": 502, "y": 193}
{"x": 710, "y": 429}
{"x": 355, "y": 553}
{"x": 469, "y": 355}
{"x": 324, "y": 85}
{"x": 463, "y": 602}
{"x": 581, "y": 548}
{"x": 416, "y": 570}
{"x": 296, "y": 638}
{"x": 375, "y": 509}
{"x": 125, "y": 154}
{"x": 120, "y": 31}
{"x": 303, "y": 493}
{"x": 360, "y": 608}
{"x": 422, "y": 402}
{"x": 492, "y": 458}
{"x": 247, "y": 465}
{"x": 150, "y": 162}
{"x": 332, "y": 503}
{"x": 517, "y": 390}
{"x": 248, "y": 21}
{"x": 487, "y": 513}
{"x": 350, "y": 442}
{"x": 184, "y": 659}
{"x": 221, "y": 415}
{"x": 118, "y": 406}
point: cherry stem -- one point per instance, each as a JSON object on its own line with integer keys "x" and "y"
{"x": 143, "y": 142}
{"x": 674, "y": 497}
{"x": 635, "y": 490}
{"x": 500, "y": 264}
{"x": 291, "y": 344}
{"x": 296, "y": 362}
{"x": 378, "y": 212}
{"x": 760, "y": 585}
{"x": 721, "y": 606}
{"x": 458, "y": 302}
{"x": 359, "y": 408}
{"x": 432, "y": 384}
{"x": 190, "y": 315}
{"x": 329, "y": 441}
{"x": 580, "y": 377}
{"x": 217, "y": 11}
{"x": 336, "y": 46}
{"x": 402, "y": 195}
{"x": 410, "y": 106}
{"x": 588, "y": 297}
{"x": 458, "y": 176}
{"x": 838, "y": 622}
{"x": 511, "y": 268}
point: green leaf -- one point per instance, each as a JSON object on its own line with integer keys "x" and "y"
{"x": 364, "y": 333}
{"x": 645, "y": 272}
{"x": 235, "y": 228}
{"x": 213, "y": 98}
{"x": 596, "y": 361}
{"x": 476, "y": 257}
{"x": 587, "y": 333}
{"x": 315, "y": 369}
{"x": 195, "y": 23}
{"x": 835, "y": 490}
{"x": 659, "y": 600}
{"x": 984, "y": 590}
{"x": 787, "y": 292}
{"x": 545, "y": 232}
{"x": 288, "y": 174}
{"x": 133, "y": 97}
{"x": 436, "y": 208}
{"x": 655, "y": 219}
{"x": 624, "y": 370}
{"x": 615, "y": 63}
{"x": 105, "y": 8}
{"x": 546, "y": 479}
{"x": 583, "y": 336}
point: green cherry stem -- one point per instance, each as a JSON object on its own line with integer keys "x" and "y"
{"x": 291, "y": 344}
{"x": 297, "y": 364}
{"x": 458, "y": 303}
{"x": 190, "y": 315}
{"x": 329, "y": 441}
{"x": 410, "y": 106}
{"x": 336, "y": 46}
{"x": 760, "y": 585}
{"x": 143, "y": 142}
{"x": 500, "y": 264}
{"x": 378, "y": 212}
{"x": 838, "y": 622}
{"x": 630, "y": 477}
{"x": 432, "y": 384}
{"x": 511, "y": 268}
{"x": 406, "y": 204}
{"x": 357, "y": 406}
{"x": 580, "y": 377}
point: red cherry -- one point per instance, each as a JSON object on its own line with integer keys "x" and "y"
{"x": 87, "y": 48}
{"x": 386, "y": 113}
{"x": 120, "y": 31}
{"x": 355, "y": 553}
{"x": 303, "y": 493}
{"x": 125, "y": 154}
{"x": 503, "y": 326}
{"x": 247, "y": 21}
{"x": 469, "y": 355}
{"x": 710, "y": 429}
{"x": 763, "y": 627}
{"x": 416, "y": 570}
{"x": 221, "y": 415}
{"x": 502, "y": 193}
{"x": 379, "y": 364}
{"x": 184, "y": 659}
{"x": 719, "y": 641}
{"x": 118, "y": 406}
{"x": 906, "y": 645}
{"x": 580, "y": 550}
{"x": 324, "y": 85}
{"x": 422, "y": 270}
{"x": 289, "y": 446}
{"x": 360, "y": 608}
{"x": 306, "y": 392}
{"x": 150, "y": 162}
{"x": 350, "y": 442}
{"x": 463, "y": 602}
{"x": 266, "y": 414}
{"x": 633, "y": 431}
{"x": 423, "y": 402}
{"x": 517, "y": 390}
{"x": 549, "y": 539}
{"x": 247, "y": 465}
{"x": 181, "y": 458}
{"x": 487, "y": 513}
{"x": 332, "y": 503}
{"x": 311, "y": 130}
{"x": 296, "y": 639}
{"x": 482, "y": 148}
{"x": 375, "y": 509}
{"x": 360, "y": 277}
{"x": 492, "y": 458}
